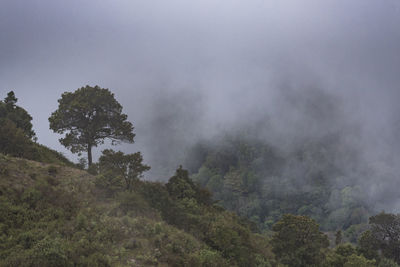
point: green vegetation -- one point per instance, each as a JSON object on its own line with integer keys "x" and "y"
{"x": 88, "y": 116}
{"x": 297, "y": 241}
{"x": 54, "y": 214}
{"x": 17, "y": 137}
{"x": 11, "y": 112}
{"x": 382, "y": 238}
{"x": 261, "y": 182}
{"x": 57, "y": 216}
{"x": 116, "y": 165}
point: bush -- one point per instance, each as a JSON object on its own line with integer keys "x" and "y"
{"x": 13, "y": 140}
{"x": 52, "y": 170}
{"x": 359, "y": 261}
{"x": 132, "y": 203}
{"x": 50, "y": 252}
{"x": 207, "y": 258}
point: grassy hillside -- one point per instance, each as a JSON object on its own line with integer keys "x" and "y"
{"x": 54, "y": 215}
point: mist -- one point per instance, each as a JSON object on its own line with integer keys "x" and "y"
{"x": 190, "y": 71}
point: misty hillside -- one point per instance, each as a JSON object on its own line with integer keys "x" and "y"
{"x": 52, "y": 215}
{"x": 200, "y": 133}
{"x": 261, "y": 182}
{"x": 302, "y": 204}
{"x": 287, "y": 207}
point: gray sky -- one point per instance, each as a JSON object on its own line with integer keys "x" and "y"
{"x": 188, "y": 69}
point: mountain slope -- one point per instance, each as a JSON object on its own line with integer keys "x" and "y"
{"x": 53, "y": 215}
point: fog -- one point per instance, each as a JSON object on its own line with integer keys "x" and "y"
{"x": 189, "y": 70}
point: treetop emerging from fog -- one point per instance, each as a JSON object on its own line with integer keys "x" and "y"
{"x": 88, "y": 116}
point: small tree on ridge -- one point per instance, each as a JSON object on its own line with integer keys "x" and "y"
{"x": 128, "y": 167}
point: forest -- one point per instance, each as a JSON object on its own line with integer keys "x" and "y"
{"x": 200, "y": 133}
{"x": 235, "y": 201}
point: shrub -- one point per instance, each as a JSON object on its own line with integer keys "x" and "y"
{"x": 359, "y": 261}
{"x": 52, "y": 170}
{"x": 385, "y": 262}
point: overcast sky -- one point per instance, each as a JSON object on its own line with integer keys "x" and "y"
{"x": 218, "y": 62}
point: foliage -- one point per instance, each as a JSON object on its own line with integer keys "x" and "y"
{"x": 52, "y": 215}
{"x": 185, "y": 205}
{"x": 19, "y": 116}
{"x": 13, "y": 140}
{"x": 359, "y": 261}
{"x": 16, "y": 128}
{"x": 368, "y": 245}
{"x": 127, "y": 167}
{"x": 347, "y": 255}
{"x": 298, "y": 242}
{"x": 250, "y": 177}
{"x": 338, "y": 237}
{"x": 384, "y": 236}
{"x": 180, "y": 186}
{"x": 17, "y": 137}
{"x": 385, "y": 262}
{"x": 88, "y": 116}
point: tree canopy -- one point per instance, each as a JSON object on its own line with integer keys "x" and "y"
{"x": 384, "y": 237}
{"x": 127, "y": 167}
{"x": 17, "y": 115}
{"x": 16, "y": 132}
{"x": 88, "y": 116}
{"x": 298, "y": 241}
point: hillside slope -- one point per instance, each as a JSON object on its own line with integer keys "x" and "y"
{"x": 53, "y": 215}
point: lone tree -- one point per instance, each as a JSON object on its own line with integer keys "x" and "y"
{"x": 88, "y": 116}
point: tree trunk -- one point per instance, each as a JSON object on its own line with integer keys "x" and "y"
{"x": 89, "y": 155}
